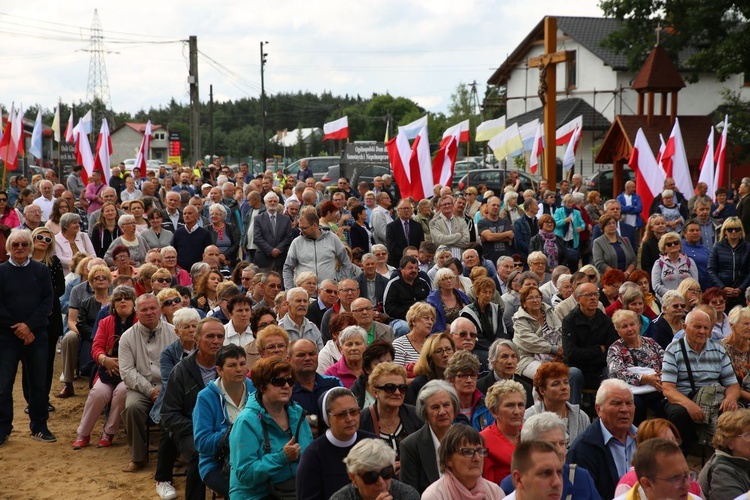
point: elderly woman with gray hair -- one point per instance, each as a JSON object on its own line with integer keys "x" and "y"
{"x": 71, "y": 240}
{"x": 135, "y": 243}
{"x": 371, "y": 467}
{"x": 352, "y": 341}
{"x": 671, "y": 320}
{"x": 503, "y": 359}
{"x": 224, "y": 234}
{"x": 437, "y": 407}
{"x": 506, "y": 400}
{"x": 577, "y": 482}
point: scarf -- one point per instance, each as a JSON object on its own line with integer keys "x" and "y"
{"x": 550, "y": 248}
{"x": 455, "y": 489}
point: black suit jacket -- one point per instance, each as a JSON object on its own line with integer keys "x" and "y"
{"x": 395, "y": 239}
{"x": 266, "y": 240}
{"x": 380, "y": 284}
{"x": 315, "y": 313}
{"x": 167, "y": 222}
{"x": 419, "y": 467}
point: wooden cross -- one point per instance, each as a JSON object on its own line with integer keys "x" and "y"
{"x": 548, "y": 93}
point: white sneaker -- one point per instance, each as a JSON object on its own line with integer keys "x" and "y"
{"x": 165, "y": 490}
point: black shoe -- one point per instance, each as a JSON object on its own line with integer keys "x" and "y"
{"x": 45, "y": 436}
{"x": 4, "y": 440}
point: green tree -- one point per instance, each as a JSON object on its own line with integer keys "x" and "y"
{"x": 715, "y": 33}
{"x": 738, "y": 150}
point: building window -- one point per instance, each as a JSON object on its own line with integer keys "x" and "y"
{"x": 571, "y": 81}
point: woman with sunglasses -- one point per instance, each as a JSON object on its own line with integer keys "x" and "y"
{"x": 170, "y": 302}
{"x": 673, "y": 266}
{"x": 160, "y": 280}
{"x": 156, "y": 236}
{"x": 269, "y": 435}
{"x": 321, "y": 471}
{"x": 44, "y": 252}
{"x": 461, "y": 455}
{"x": 671, "y": 319}
{"x": 108, "y": 387}
{"x": 371, "y": 466}
{"x": 729, "y": 264}
{"x": 389, "y": 417}
{"x": 8, "y": 215}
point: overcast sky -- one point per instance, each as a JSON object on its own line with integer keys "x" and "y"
{"x": 420, "y": 50}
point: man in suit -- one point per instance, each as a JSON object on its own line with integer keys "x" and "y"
{"x": 327, "y": 295}
{"x": 743, "y": 205}
{"x": 613, "y": 208}
{"x": 402, "y": 232}
{"x": 272, "y": 235}
{"x": 371, "y": 283}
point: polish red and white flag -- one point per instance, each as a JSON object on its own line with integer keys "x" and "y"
{"x": 337, "y": 129}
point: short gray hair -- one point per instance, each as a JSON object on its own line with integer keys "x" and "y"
{"x": 270, "y": 196}
{"x": 124, "y": 219}
{"x": 370, "y": 256}
{"x": 369, "y": 455}
{"x": 607, "y": 385}
{"x": 535, "y": 256}
{"x": 667, "y": 193}
{"x": 219, "y": 207}
{"x": 510, "y": 195}
{"x": 542, "y": 423}
{"x": 630, "y": 295}
{"x": 185, "y": 315}
{"x": 440, "y": 274}
{"x": 352, "y": 331}
{"x": 296, "y": 289}
{"x": 495, "y": 348}
{"x": 379, "y": 247}
{"x": 503, "y": 259}
{"x": 20, "y": 235}
{"x": 430, "y": 389}
{"x": 69, "y": 218}
{"x": 669, "y": 297}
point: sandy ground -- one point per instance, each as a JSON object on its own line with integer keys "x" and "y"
{"x": 35, "y": 470}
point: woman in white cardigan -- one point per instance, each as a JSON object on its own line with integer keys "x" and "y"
{"x": 71, "y": 240}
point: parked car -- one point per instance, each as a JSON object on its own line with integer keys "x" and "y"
{"x": 461, "y": 168}
{"x": 494, "y": 179}
{"x": 318, "y": 164}
{"x": 603, "y": 181}
{"x": 331, "y": 178}
{"x": 368, "y": 173}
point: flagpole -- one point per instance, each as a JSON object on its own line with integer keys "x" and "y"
{"x": 59, "y": 158}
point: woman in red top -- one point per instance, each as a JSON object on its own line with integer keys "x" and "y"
{"x": 108, "y": 386}
{"x": 506, "y": 401}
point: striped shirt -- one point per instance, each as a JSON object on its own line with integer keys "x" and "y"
{"x": 708, "y": 366}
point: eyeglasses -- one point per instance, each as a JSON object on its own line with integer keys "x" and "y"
{"x": 304, "y": 228}
{"x": 328, "y": 291}
{"x": 679, "y": 480}
{"x": 678, "y": 306}
{"x": 466, "y": 375}
{"x": 22, "y": 244}
{"x": 591, "y": 277}
{"x": 169, "y": 302}
{"x": 694, "y": 290}
{"x": 671, "y": 244}
{"x": 46, "y": 239}
{"x": 732, "y": 229}
{"x": 518, "y": 264}
{"x": 352, "y": 412}
{"x": 263, "y": 325}
{"x": 363, "y": 309}
{"x": 282, "y": 381}
{"x": 101, "y": 278}
{"x": 121, "y": 298}
{"x": 349, "y": 290}
{"x": 163, "y": 280}
{"x": 534, "y": 297}
{"x": 392, "y": 388}
{"x": 470, "y": 452}
{"x": 443, "y": 350}
{"x": 3, "y": 200}
{"x": 463, "y": 335}
{"x": 122, "y": 256}
{"x": 718, "y": 302}
{"x": 371, "y": 476}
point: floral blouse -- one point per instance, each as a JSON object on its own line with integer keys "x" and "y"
{"x": 740, "y": 360}
{"x": 620, "y": 357}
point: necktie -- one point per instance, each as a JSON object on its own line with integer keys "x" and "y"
{"x": 406, "y": 230}
{"x": 273, "y": 225}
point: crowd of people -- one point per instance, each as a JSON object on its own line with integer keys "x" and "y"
{"x": 293, "y": 341}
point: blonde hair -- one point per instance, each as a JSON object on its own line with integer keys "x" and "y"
{"x": 499, "y": 390}
{"x": 418, "y": 310}
{"x": 385, "y": 368}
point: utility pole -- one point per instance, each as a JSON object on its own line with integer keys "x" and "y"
{"x": 211, "y": 120}
{"x": 263, "y": 104}
{"x": 195, "y": 103}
